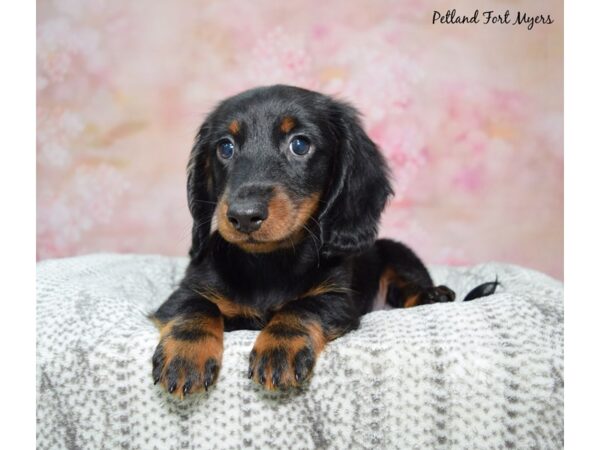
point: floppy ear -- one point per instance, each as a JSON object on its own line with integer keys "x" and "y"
{"x": 200, "y": 193}
{"x": 358, "y": 192}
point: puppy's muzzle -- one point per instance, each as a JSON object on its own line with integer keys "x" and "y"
{"x": 247, "y": 215}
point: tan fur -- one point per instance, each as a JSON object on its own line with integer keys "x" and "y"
{"x": 413, "y": 300}
{"x": 387, "y": 277}
{"x": 197, "y": 352}
{"x": 315, "y": 331}
{"x": 384, "y": 281}
{"x": 228, "y": 307}
{"x": 287, "y": 124}
{"x": 281, "y": 210}
{"x": 234, "y": 127}
{"x": 213, "y": 326}
{"x": 325, "y": 288}
{"x": 157, "y": 323}
{"x": 266, "y": 342}
{"x": 282, "y": 229}
{"x": 287, "y": 319}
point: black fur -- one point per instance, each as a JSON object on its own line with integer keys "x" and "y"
{"x": 311, "y": 286}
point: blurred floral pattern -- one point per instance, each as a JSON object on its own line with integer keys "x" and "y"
{"x": 469, "y": 116}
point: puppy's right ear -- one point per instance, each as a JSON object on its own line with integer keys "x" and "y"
{"x": 200, "y": 192}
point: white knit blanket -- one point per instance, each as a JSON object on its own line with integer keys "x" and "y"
{"x": 482, "y": 374}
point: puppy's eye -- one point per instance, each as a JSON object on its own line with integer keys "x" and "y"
{"x": 225, "y": 149}
{"x": 300, "y": 146}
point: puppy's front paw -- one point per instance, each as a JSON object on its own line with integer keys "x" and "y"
{"x": 188, "y": 356}
{"x": 284, "y": 354}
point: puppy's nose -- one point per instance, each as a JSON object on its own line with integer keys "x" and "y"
{"x": 247, "y": 217}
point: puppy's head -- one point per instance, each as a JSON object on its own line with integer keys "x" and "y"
{"x": 275, "y": 165}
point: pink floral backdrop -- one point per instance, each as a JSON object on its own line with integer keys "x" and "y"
{"x": 470, "y": 116}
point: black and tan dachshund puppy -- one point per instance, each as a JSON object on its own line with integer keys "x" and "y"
{"x": 286, "y": 191}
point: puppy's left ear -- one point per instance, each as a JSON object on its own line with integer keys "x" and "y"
{"x": 359, "y": 190}
{"x": 200, "y": 193}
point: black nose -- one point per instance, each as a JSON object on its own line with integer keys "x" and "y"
{"x": 247, "y": 217}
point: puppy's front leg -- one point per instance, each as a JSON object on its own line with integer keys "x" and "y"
{"x": 188, "y": 356}
{"x": 286, "y": 350}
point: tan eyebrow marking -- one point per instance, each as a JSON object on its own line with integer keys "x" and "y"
{"x": 234, "y": 127}
{"x": 287, "y": 123}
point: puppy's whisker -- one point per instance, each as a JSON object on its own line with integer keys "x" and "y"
{"x": 314, "y": 239}
{"x": 185, "y": 233}
{"x": 317, "y": 223}
{"x": 187, "y": 229}
{"x": 292, "y": 242}
{"x": 205, "y": 222}
{"x": 205, "y": 201}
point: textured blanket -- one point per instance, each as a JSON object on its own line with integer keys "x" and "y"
{"x": 481, "y": 374}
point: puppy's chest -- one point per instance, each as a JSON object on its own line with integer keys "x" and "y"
{"x": 249, "y": 295}
{"x": 251, "y": 309}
